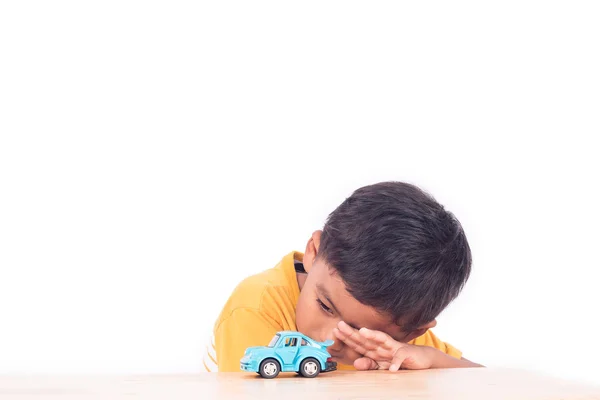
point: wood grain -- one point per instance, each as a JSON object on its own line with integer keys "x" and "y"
{"x": 476, "y": 383}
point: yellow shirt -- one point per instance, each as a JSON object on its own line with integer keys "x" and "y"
{"x": 260, "y": 306}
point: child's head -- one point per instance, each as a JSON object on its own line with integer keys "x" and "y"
{"x": 389, "y": 258}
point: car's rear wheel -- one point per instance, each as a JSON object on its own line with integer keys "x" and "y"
{"x": 269, "y": 368}
{"x": 310, "y": 368}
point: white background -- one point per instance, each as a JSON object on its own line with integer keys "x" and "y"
{"x": 152, "y": 154}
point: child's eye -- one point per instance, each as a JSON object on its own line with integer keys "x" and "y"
{"x": 324, "y": 307}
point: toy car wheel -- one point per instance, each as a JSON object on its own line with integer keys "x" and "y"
{"x": 310, "y": 368}
{"x": 269, "y": 368}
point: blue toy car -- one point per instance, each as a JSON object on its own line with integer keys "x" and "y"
{"x": 289, "y": 351}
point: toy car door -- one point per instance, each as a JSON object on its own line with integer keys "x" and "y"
{"x": 289, "y": 350}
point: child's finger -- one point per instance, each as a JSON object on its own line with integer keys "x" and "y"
{"x": 349, "y": 331}
{"x": 362, "y": 347}
{"x": 375, "y": 347}
{"x": 371, "y": 344}
{"x": 351, "y": 335}
{"x": 380, "y": 338}
{"x": 365, "y": 364}
{"x": 349, "y": 341}
{"x": 342, "y": 335}
{"x": 366, "y": 348}
{"x": 400, "y": 358}
{"x": 371, "y": 340}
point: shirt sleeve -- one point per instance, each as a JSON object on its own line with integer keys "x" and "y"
{"x": 242, "y": 329}
{"x": 429, "y": 339}
{"x": 209, "y": 357}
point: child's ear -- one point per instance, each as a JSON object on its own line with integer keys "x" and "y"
{"x": 421, "y": 330}
{"x": 312, "y": 249}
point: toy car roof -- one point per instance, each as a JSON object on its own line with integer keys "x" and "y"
{"x": 294, "y": 333}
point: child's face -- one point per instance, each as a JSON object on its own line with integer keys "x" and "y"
{"x": 324, "y": 301}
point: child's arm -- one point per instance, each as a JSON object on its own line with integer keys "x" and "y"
{"x": 381, "y": 351}
{"x": 441, "y": 360}
{"x": 243, "y": 328}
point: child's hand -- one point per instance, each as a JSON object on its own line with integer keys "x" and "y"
{"x": 381, "y": 351}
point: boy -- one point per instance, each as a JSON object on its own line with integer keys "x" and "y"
{"x": 387, "y": 262}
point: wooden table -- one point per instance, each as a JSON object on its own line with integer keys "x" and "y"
{"x": 477, "y": 383}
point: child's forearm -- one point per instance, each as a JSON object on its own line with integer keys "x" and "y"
{"x": 443, "y": 360}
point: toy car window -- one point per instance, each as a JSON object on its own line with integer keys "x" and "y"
{"x": 304, "y": 343}
{"x": 291, "y": 342}
{"x": 274, "y": 340}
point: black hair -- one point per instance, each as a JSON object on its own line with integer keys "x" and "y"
{"x": 397, "y": 250}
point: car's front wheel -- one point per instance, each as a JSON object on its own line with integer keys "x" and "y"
{"x": 310, "y": 368}
{"x": 269, "y": 368}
